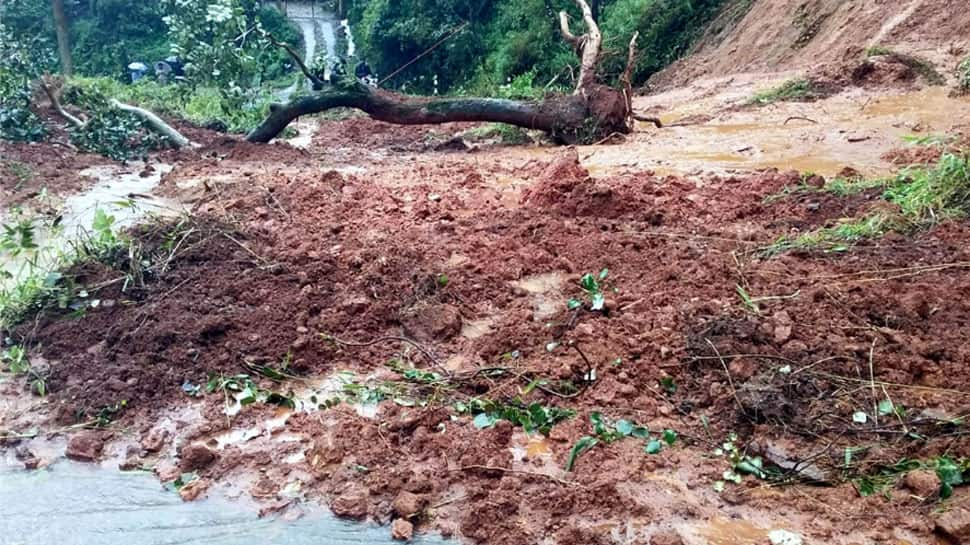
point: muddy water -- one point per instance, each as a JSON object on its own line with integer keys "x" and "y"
{"x": 77, "y": 504}
{"x": 853, "y": 129}
{"x": 123, "y": 192}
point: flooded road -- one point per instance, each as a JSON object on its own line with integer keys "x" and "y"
{"x": 78, "y": 504}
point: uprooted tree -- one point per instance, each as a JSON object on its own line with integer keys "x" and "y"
{"x": 593, "y": 111}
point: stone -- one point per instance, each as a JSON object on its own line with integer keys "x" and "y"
{"x": 432, "y": 322}
{"x": 922, "y": 482}
{"x": 955, "y": 524}
{"x": 193, "y": 490}
{"x": 85, "y": 446}
{"x": 154, "y": 440}
{"x": 195, "y": 457}
{"x": 667, "y": 537}
{"x": 408, "y": 504}
{"x": 784, "y": 537}
{"x": 351, "y": 504}
{"x": 402, "y": 530}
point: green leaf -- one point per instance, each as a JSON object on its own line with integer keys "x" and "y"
{"x": 885, "y": 407}
{"x": 624, "y": 427}
{"x": 640, "y": 432}
{"x": 731, "y": 476}
{"x": 584, "y": 444}
{"x": 669, "y": 385}
{"x": 443, "y": 280}
{"x": 670, "y": 437}
{"x": 718, "y": 486}
{"x": 484, "y": 420}
{"x": 604, "y": 273}
{"x": 654, "y": 447}
{"x": 574, "y": 304}
{"x": 598, "y": 301}
{"x": 589, "y": 284}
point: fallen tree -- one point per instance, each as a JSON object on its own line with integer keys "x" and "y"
{"x": 593, "y": 111}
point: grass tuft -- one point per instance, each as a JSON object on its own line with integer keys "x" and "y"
{"x": 919, "y": 197}
{"x": 793, "y": 90}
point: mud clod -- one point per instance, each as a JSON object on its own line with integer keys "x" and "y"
{"x": 85, "y": 446}
{"x": 402, "y": 530}
{"x": 195, "y": 457}
{"x": 408, "y": 504}
{"x": 922, "y": 482}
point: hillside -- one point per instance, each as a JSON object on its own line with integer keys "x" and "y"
{"x": 815, "y": 35}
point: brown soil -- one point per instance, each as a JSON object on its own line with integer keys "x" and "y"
{"x": 822, "y": 35}
{"x": 26, "y": 170}
{"x": 287, "y": 249}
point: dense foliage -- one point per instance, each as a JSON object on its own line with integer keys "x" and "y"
{"x": 494, "y": 42}
{"x": 19, "y": 65}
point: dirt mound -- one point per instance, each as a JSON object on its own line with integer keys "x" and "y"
{"x": 780, "y": 35}
{"x": 315, "y": 272}
{"x": 565, "y": 187}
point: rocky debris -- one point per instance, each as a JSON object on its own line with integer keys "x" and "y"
{"x": 922, "y": 482}
{"x": 402, "y": 530}
{"x": 85, "y": 446}
{"x": 432, "y": 322}
{"x": 350, "y": 504}
{"x": 955, "y": 524}
{"x": 132, "y": 459}
{"x": 781, "y": 454}
{"x": 194, "y": 490}
{"x": 408, "y": 504}
{"x": 154, "y": 440}
{"x": 195, "y": 457}
{"x": 667, "y": 537}
{"x": 29, "y": 459}
{"x": 782, "y": 326}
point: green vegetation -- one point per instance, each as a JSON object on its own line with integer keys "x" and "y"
{"x": 883, "y": 479}
{"x": 593, "y": 295}
{"x": 606, "y": 432}
{"x": 919, "y": 197}
{"x": 532, "y": 418}
{"x": 793, "y": 90}
{"x": 518, "y": 38}
{"x": 15, "y": 360}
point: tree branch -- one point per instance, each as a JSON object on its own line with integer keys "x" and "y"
{"x": 155, "y": 123}
{"x": 317, "y": 82}
{"x": 591, "y": 50}
{"x": 56, "y": 102}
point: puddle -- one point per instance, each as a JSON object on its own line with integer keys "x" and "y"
{"x": 547, "y": 301}
{"x": 78, "y": 504}
{"x": 852, "y": 129}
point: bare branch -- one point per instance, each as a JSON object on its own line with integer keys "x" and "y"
{"x": 45, "y": 84}
{"x": 317, "y": 82}
{"x": 156, "y": 124}
{"x": 566, "y": 33}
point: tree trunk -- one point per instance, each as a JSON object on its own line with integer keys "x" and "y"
{"x": 592, "y": 112}
{"x": 63, "y": 37}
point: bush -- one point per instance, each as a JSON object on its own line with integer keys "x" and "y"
{"x": 19, "y": 65}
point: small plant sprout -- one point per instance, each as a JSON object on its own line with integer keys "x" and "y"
{"x": 592, "y": 286}
{"x": 606, "y": 432}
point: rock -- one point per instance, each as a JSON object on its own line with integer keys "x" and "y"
{"x": 132, "y": 461}
{"x": 782, "y": 326}
{"x": 194, "y": 490}
{"x": 195, "y": 457}
{"x": 668, "y": 537}
{"x": 154, "y": 440}
{"x": 955, "y": 524}
{"x": 922, "y": 482}
{"x": 432, "y": 322}
{"x": 85, "y": 446}
{"x": 351, "y": 504}
{"x": 402, "y": 530}
{"x": 407, "y": 504}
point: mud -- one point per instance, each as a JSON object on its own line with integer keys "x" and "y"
{"x": 317, "y": 261}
